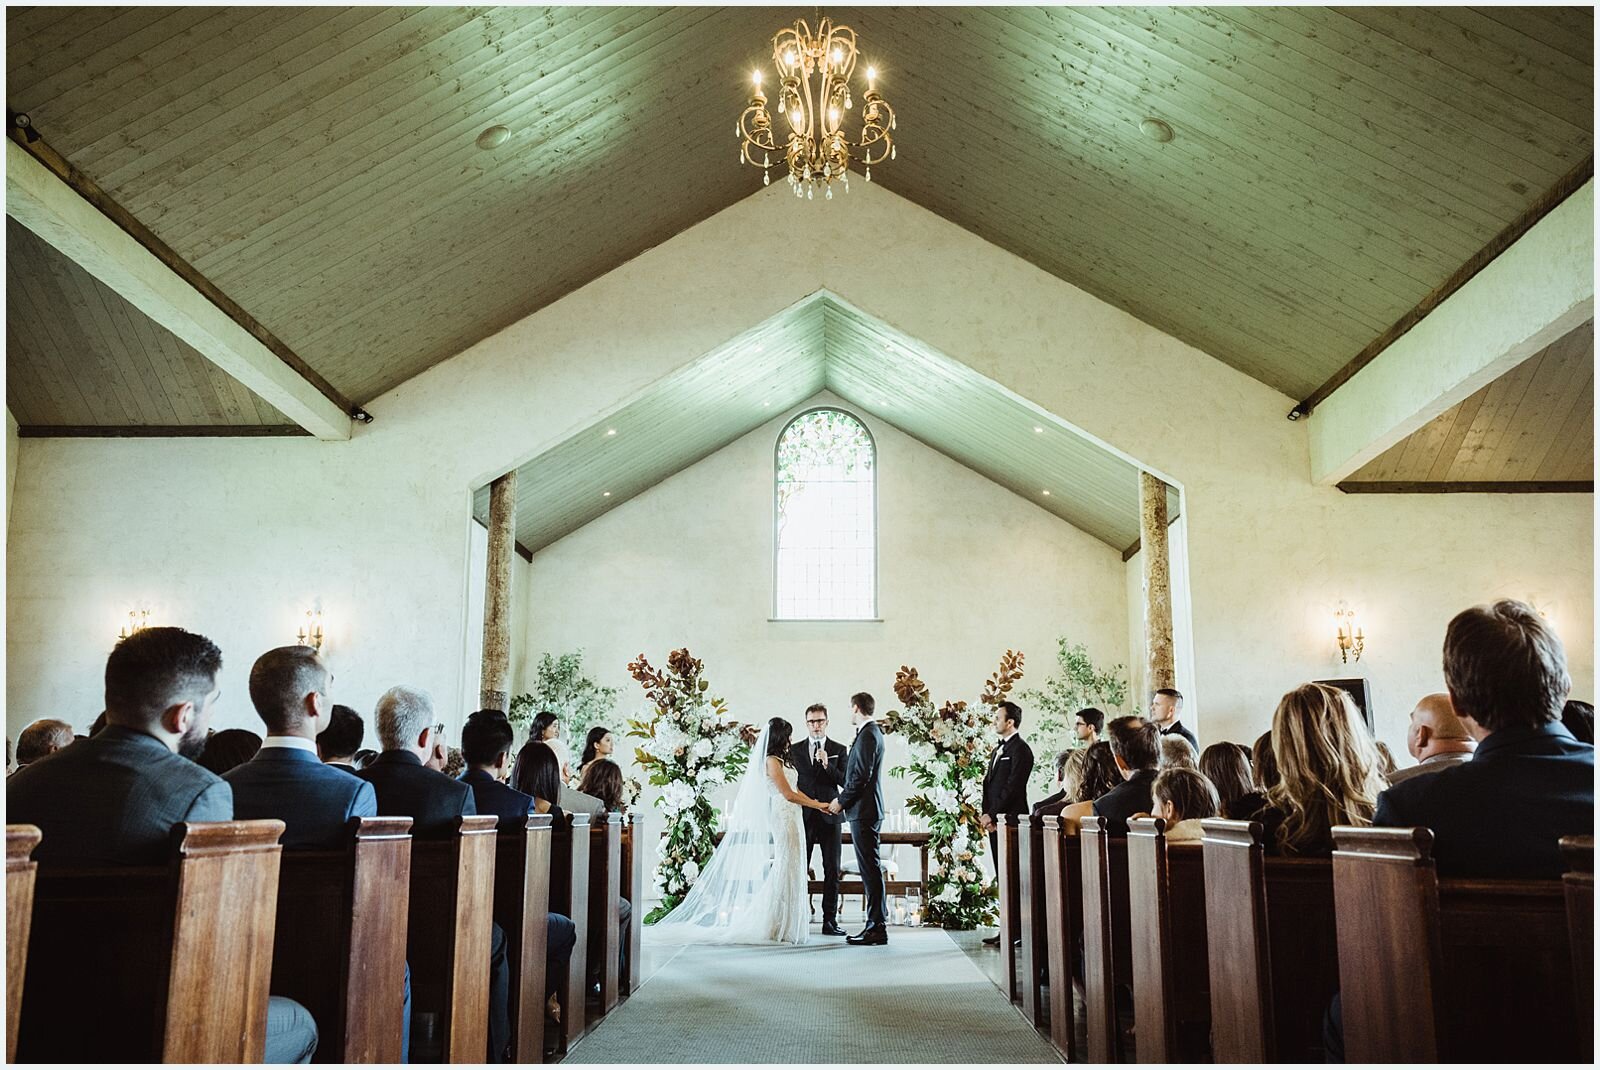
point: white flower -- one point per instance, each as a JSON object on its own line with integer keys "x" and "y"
{"x": 676, "y": 796}
{"x": 703, "y": 748}
{"x": 935, "y": 868}
{"x": 950, "y": 894}
{"x": 711, "y": 775}
{"x": 690, "y": 870}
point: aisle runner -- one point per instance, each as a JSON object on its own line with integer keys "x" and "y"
{"x": 919, "y": 1000}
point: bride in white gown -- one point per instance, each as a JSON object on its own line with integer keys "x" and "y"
{"x": 753, "y": 890}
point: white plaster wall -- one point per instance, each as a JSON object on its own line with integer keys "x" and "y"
{"x": 227, "y": 535}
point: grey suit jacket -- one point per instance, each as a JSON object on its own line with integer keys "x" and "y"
{"x": 1437, "y": 764}
{"x": 577, "y": 802}
{"x": 113, "y": 799}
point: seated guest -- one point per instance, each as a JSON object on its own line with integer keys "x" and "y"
{"x": 598, "y": 744}
{"x": 1100, "y": 773}
{"x": 1328, "y": 768}
{"x": 1529, "y": 782}
{"x": 439, "y": 756}
{"x": 1225, "y": 765}
{"x": 454, "y": 764}
{"x": 1086, "y": 725}
{"x": 228, "y": 749}
{"x": 340, "y": 739}
{"x": 435, "y": 803}
{"x": 1436, "y": 739}
{"x": 289, "y": 688}
{"x": 42, "y": 739}
{"x": 363, "y": 758}
{"x": 537, "y": 772}
{"x": 1069, "y": 774}
{"x": 113, "y": 799}
{"x": 1178, "y": 753}
{"x": 99, "y": 725}
{"x": 1136, "y": 748}
{"x": 603, "y": 779}
{"x": 1578, "y": 717}
{"x": 486, "y": 741}
{"x": 1183, "y": 798}
{"x": 1264, "y": 763}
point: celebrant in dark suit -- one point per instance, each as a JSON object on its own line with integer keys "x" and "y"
{"x": 819, "y": 763}
{"x": 861, "y": 799}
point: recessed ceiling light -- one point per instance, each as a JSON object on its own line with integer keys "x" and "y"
{"x": 766, "y": 404}
{"x": 1156, "y": 129}
{"x": 611, "y": 430}
{"x": 607, "y": 494}
{"x": 493, "y": 137}
{"x": 1038, "y": 430}
{"x": 1045, "y": 493}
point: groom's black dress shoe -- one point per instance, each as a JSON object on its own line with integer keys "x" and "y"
{"x": 992, "y": 941}
{"x": 871, "y": 936}
{"x": 830, "y": 929}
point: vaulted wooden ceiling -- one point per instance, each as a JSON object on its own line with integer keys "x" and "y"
{"x": 822, "y": 344}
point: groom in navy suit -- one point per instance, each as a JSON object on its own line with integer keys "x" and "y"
{"x": 861, "y": 799}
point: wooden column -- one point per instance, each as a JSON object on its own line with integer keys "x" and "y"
{"x": 1157, "y": 583}
{"x": 495, "y": 679}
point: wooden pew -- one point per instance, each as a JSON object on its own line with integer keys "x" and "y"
{"x": 1063, "y": 892}
{"x": 605, "y": 919}
{"x": 21, "y": 870}
{"x": 173, "y": 962}
{"x": 449, "y": 935}
{"x": 1419, "y": 954}
{"x": 521, "y": 909}
{"x": 1274, "y": 967}
{"x": 569, "y": 895}
{"x": 1033, "y": 955}
{"x": 1007, "y": 874}
{"x": 633, "y": 848}
{"x": 1107, "y": 941}
{"x": 1171, "y": 978}
{"x": 340, "y": 948}
{"x": 1579, "y": 883}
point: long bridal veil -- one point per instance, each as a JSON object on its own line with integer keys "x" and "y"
{"x": 728, "y": 904}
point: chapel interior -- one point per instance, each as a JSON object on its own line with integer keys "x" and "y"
{"x": 445, "y": 482}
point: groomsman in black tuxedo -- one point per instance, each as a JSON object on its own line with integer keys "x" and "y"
{"x": 820, "y": 763}
{"x": 1005, "y": 785}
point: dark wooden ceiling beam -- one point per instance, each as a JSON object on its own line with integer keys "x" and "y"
{"x": 1568, "y": 184}
{"x": 1470, "y": 487}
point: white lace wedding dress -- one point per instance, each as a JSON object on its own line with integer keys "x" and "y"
{"x": 753, "y": 890}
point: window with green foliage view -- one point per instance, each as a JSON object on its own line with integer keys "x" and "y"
{"x": 826, "y": 565}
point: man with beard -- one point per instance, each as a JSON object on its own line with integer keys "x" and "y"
{"x": 113, "y": 798}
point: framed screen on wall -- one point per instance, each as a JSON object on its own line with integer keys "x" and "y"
{"x": 1359, "y": 692}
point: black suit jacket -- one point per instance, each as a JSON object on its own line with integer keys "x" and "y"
{"x": 1177, "y": 729}
{"x": 1053, "y": 803}
{"x": 1130, "y": 797}
{"x": 1005, "y": 784}
{"x": 492, "y": 797}
{"x": 1503, "y": 813}
{"x": 314, "y": 801}
{"x": 407, "y": 788}
{"x": 819, "y": 783}
{"x": 113, "y": 800}
{"x": 862, "y": 794}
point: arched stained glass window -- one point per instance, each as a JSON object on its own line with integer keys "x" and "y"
{"x": 826, "y": 564}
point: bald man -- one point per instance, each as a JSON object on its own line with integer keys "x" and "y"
{"x": 1437, "y": 739}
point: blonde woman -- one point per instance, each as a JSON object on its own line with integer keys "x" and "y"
{"x": 1329, "y": 771}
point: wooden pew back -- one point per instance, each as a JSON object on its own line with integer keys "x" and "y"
{"x": 340, "y": 948}
{"x": 521, "y": 908}
{"x": 1418, "y": 954}
{"x": 569, "y": 894}
{"x": 1107, "y": 937}
{"x": 1006, "y": 870}
{"x": 1063, "y": 890}
{"x": 633, "y": 847}
{"x": 605, "y": 888}
{"x": 1033, "y": 957}
{"x": 175, "y": 960}
{"x": 21, "y": 871}
{"x": 1275, "y": 968}
{"x": 1171, "y": 974}
{"x": 449, "y": 934}
{"x": 1579, "y": 883}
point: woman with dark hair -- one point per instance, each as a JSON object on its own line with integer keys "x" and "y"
{"x": 598, "y": 744}
{"x": 228, "y": 748}
{"x": 1225, "y": 766}
{"x": 1264, "y": 763}
{"x": 602, "y": 778}
{"x": 537, "y": 772}
{"x": 363, "y": 758}
{"x": 1100, "y": 772}
{"x": 546, "y": 729}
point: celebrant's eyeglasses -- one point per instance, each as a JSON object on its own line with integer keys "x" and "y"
{"x": 823, "y": 721}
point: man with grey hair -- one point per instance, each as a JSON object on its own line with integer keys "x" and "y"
{"x": 1437, "y": 739}
{"x": 42, "y": 739}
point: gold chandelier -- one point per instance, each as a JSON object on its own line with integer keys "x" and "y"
{"x": 813, "y": 97}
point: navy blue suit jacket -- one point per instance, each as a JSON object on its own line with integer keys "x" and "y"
{"x": 862, "y": 794}
{"x": 407, "y": 788}
{"x": 113, "y": 799}
{"x": 314, "y": 801}
{"x": 492, "y": 797}
{"x": 1503, "y": 813}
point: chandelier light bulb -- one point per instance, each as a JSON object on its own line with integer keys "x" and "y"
{"x": 757, "y": 77}
{"x": 872, "y": 76}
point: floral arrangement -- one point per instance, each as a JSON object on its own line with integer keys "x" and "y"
{"x": 1078, "y": 682}
{"x": 691, "y": 746}
{"x": 948, "y": 747}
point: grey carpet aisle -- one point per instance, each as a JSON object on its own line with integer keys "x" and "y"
{"x": 919, "y": 1000}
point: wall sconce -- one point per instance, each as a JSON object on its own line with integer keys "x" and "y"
{"x": 310, "y": 633}
{"x": 1348, "y": 634}
{"x": 138, "y": 621}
